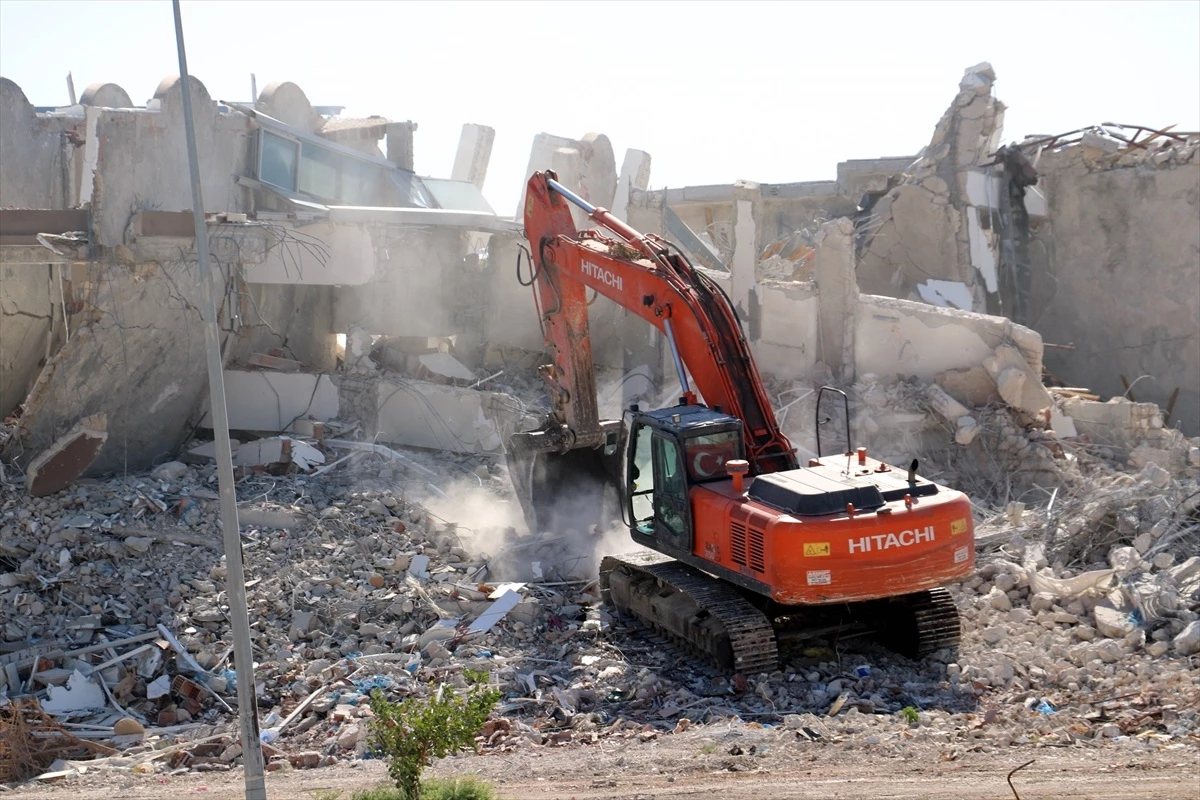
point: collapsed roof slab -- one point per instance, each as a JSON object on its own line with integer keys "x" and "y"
{"x": 266, "y": 400}
{"x": 441, "y": 417}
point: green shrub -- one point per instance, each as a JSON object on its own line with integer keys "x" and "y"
{"x": 378, "y": 793}
{"x": 456, "y": 789}
{"x": 433, "y": 789}
{"x": 910, "y": 715}
{"x": 412, "y": 733}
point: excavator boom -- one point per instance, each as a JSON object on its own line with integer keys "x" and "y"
{"x": 640, "y": 273}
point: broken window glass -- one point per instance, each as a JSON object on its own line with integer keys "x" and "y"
{"x": 413, "y": 193}
{"x": 361, "y": 184}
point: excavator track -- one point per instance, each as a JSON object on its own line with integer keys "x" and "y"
{"x": 935, "y": 618}
{"x": 708, "y": 617}
{"x": 700, "y": 613}
{"x": 915, "y": 625}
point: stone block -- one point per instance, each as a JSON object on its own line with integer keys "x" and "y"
{"x": 1188, "y": 641}
{"x": 1111, "y": 622}
{"x": 1016, "y": 381}
{"x": 972, "y": 386}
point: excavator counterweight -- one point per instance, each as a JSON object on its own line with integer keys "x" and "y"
{"x": 745, "y": 547}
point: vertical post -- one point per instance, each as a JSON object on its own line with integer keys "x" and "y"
{"x": 252, "y": 755}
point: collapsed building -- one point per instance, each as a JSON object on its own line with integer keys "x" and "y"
{"x": 368, "y": 311}
{"x": 1088, "y": 238}
{"x": 350, "y": 282}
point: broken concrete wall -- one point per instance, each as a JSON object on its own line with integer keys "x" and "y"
{"x": 138, "y": 359}
{"x": 142, "y": 162}
{"x": 30, "y": 321}
{"x": 783, "y": 210}
{"x": 926, "y": 228}
{"x": 788, "y": 345}
{"x": 412, "y": 293}
{"x": 1117, "y": 274}
{"x": 586, "y": 166}
{"x": 295, "y": 319}
{"x": 38, "y": 152}
{"x": 903, "y": 338}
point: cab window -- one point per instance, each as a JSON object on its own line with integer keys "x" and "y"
{"x": 641, "y": 481}
{"x": 707, "y": 455}
{"x": 670, "y": 501}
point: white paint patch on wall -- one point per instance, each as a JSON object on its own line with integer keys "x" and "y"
{"x": 953, "y": 294}
{"x": 982, "y": 257}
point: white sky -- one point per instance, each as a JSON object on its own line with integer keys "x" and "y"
{"x": 714, "y": 91}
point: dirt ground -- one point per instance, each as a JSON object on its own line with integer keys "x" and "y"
{"x": 738, "y": 762}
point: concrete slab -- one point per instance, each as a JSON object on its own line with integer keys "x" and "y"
{"x": 68, "y": 457}
{"x": 447, "y": 366}
{"x": 1018, "y": 384}
{"x": 439, "y": 417}
{"x": 273, "y": 401}
{"x": 206, "y": 452}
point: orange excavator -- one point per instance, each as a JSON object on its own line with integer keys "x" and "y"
{"x": 746, "y": 548}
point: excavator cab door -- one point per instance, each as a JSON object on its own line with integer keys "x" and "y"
{"x": 657, "y": 486}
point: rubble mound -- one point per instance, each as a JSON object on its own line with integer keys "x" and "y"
{"x": 397, "y": 571}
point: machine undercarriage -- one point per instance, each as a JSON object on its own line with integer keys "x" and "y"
{"x": 736, "y": 631}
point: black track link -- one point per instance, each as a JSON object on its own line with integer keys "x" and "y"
{"x": 750, "y": 634}
{"x": 937, "y": 621}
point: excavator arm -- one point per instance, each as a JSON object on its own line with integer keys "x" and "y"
{"x": 640, "y": 273}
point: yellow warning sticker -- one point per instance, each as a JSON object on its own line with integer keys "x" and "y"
{"x": 958, "y": 526}
{"x": 816, "y": 549}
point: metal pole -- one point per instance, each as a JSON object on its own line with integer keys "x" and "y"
{"x": 235, "y": 579}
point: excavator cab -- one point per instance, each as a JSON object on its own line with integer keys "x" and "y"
{"x": 668, "y": 452}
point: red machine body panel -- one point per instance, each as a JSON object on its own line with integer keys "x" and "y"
{"x": 903, "y": 547}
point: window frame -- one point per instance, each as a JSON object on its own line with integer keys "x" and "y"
{"x": 263, "y": 132}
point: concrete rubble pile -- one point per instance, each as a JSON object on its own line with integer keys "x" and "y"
{"x": 1080, "y": 626}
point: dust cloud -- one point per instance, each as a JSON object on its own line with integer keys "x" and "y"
{"x": 492, "y": 526}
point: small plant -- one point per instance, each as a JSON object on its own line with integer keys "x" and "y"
{"x": 412, "y": 733}
{"x": 456, "y": 789}
{"x": 433, "y": 789}
{"x": 910, "y": 715}
{"x": 708, "y": 748}
{"x": 326, "y": 794}
{"x": 378, "y": 793}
